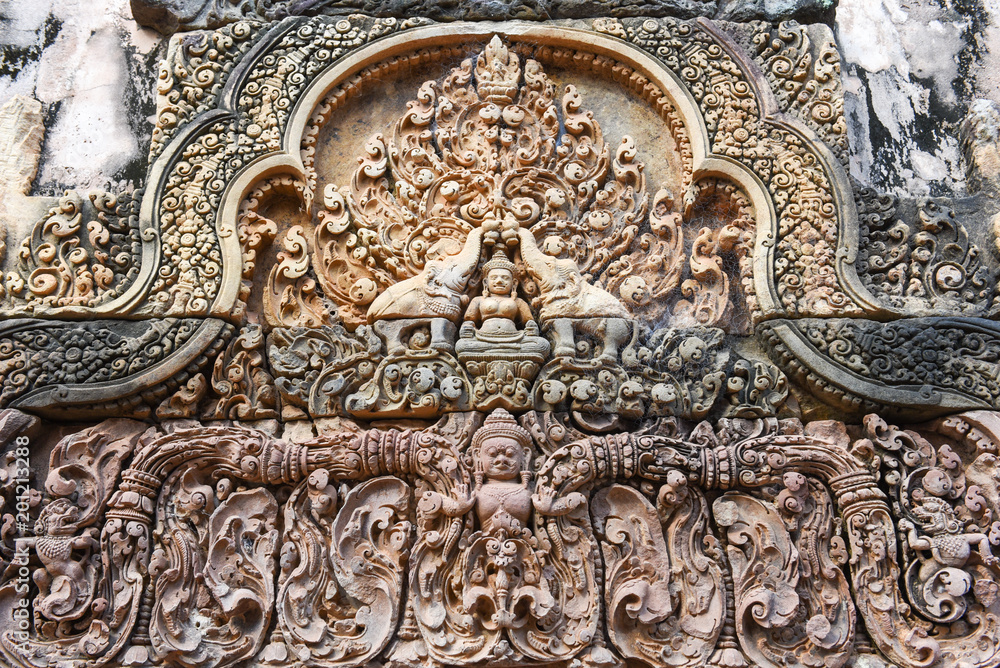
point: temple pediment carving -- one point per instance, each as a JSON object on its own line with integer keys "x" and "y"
{"x": 503, "y": 343}
{"x": 717, "y": 206}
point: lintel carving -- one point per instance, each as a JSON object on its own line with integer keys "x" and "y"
{"x": 756, "y": 540}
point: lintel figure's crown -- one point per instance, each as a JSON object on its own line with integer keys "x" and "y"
{"x": 501, "y": 423}
{"x": 499, "y": 261}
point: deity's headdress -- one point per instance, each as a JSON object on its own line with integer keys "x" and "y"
{"x": 498, "y": 72}
{"x": 501, "y": 423}
{"x": 500, "y": 261}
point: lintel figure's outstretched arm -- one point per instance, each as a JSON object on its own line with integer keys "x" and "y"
{"x": 524, "y": 312}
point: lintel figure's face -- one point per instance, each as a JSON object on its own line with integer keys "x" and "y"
{"x": 501, "y": 458}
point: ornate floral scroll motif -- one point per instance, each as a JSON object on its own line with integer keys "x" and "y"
{"x": 194, "y": 245}
{"x": 191, "y": 77}
{"x": 727, "y": 237}
{"x": 948, "y": 529}
{"x": 805, "y": 271}
{"x": 646, "y": 277}
{"x": 350, "y": 284}
{"x": 36, "y": 358}
{"x": 242, "y": 382}
{"x": 85, "y": 603}
{"x": 505, "y": 169}
{"x": 802, "y": 65}
{"x": 926, "y": 366}
{"x": 656, "y": 591}
{"x": 755, "y": 389}
{"x": 215, "y": 592}
{"x": 257, "y": 231}
{"x": 212, "y": 569}
{"x": 791, "y": 598}
{"x": 342, "y": 570}
{"x": 708, "y": 290}
{"x": 290, "y": 295}
{"x": 77, "y": 256}
{"x": 317, "y": 369}
{"x": 923, "y": 260}
{"x": 184, "y": 402}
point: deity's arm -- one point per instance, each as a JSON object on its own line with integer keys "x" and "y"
{"x": 434, "y": 503}
{"x": 472, "y": 313}
{"x": 914, "y": 540}
{"x": 546, "y": 503}
{"x": 457, "y": 507}
{"x": 524, "y": 312}
{"x": 568, "y": 504}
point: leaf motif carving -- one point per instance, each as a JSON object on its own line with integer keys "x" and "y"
{"x": 342, "y": 572}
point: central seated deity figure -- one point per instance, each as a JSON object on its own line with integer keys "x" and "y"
{"x": 499, "y": 342}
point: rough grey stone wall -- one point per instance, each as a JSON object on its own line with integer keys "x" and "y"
{"x": 911, "y": 70}
{"x": 94, "y": 71}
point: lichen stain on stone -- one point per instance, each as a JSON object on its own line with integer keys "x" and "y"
{"x": 911, "y": 70}
{"x": 90, "y": 67}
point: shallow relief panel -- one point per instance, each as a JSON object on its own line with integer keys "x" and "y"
{"x": 467, "y": 345}
{"x": 509, "y": 541}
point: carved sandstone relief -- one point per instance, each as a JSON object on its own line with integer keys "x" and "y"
{"x": 750, "y": 542}
{"x": 502, "y": 253}
{"x": 730, "y": 212}
{"x": 482, "y": 381}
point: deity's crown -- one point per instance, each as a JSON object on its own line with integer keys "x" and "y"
{"x": 501, "y": 423}
{"x": 499, "y": 261}
{"x": 498, "y": 72}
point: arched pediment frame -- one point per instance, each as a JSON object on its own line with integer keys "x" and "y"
{"x": 235, "y": 110}
{"x": 713, "y": 155}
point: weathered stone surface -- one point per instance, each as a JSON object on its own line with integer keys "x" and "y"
{"x": 980, "y": 133}
{"x": 804, "y": 11}
{"x": 502, "y": 343}
{"x": 21, "y": 133}
{"x": 910, "y": 73}
{"x": 941, "y": 365}
{"x": 169, "y": 16}
{"x": 87, "y": 62}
